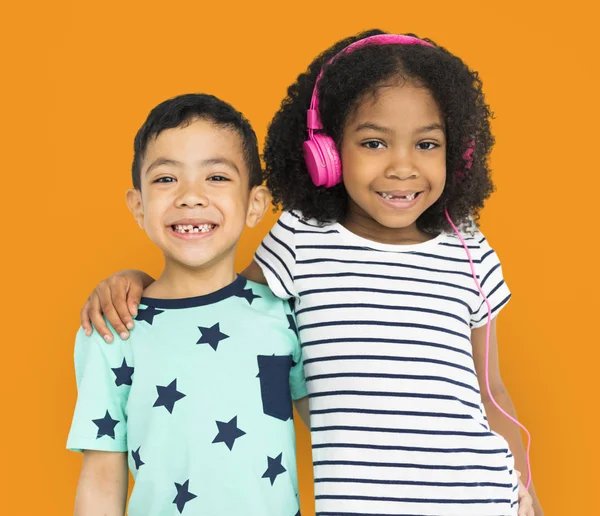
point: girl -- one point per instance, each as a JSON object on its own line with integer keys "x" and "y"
{"x": 397, "y": 319}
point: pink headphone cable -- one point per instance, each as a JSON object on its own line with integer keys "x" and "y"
{"x": 487, "y": 348}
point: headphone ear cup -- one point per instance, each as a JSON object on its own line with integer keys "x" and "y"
{"x": 322, "y": 161}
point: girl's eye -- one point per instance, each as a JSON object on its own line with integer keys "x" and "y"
{"x": 427, "y": 145}
{"x": 218, "y": 178}
{"x": 373, "y": 144}
{"x": 165, "y": 180}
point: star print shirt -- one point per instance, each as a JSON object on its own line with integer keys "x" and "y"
{"x": 398, "y": 425}
{"x": 200, "y": 398}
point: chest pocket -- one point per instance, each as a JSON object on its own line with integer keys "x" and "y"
{"x": 274, "y": 375}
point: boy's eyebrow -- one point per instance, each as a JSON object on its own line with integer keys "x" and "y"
{"x": 163, "y": 161}
{"x": 204, "y": 163}
{"x": 432, "y": 127}
{"x": 219, "y": 161}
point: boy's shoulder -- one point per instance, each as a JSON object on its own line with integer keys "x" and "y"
{"x": 268, "y": 300}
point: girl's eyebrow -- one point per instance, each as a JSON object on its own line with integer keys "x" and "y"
{"x": 370, "y": 126}
{"x": 373, "y": 127}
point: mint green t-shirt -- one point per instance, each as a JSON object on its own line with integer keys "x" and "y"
{"x": 200, "y": 398}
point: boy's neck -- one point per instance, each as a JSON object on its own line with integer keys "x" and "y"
{"x": 178, "y": 281}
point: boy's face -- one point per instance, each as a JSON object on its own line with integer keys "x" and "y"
{"x": 195, "y": 198}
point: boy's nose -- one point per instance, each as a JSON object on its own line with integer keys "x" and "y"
{"x": 191, "y": 197}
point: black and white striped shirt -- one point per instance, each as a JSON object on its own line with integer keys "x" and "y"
{"x": 397, "y": 422}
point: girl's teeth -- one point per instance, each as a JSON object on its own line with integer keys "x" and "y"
{"x": 405, "y": 197}
{"x": 188, "y": 228}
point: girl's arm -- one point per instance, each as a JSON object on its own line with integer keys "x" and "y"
{"x": 498, "y": 421}
{"x": 118, "y": 296}
{"x": 102, "y": 488}
{"x": 254, "y": 273}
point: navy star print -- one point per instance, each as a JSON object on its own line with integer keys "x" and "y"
{"x": 212, "y": 336}
{"x": 168, "y": 396}
{"x": 292, "y": 325}
{"x": 183, "y": 495}
{"x": 123, "y": 374}
{"x": 106, "y": 426}
{"x": 228, "y": 433}
{"x": 274, "y": 469}
{"x": 248, "y": 295}
{"x": 147, "y": 314}
{"x": 135, "y": 455}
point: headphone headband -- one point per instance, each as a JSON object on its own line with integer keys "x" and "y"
{"x": 320, "y": 154}
{"x": 313, "y": 117}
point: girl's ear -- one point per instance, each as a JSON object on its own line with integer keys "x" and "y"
{"x": 260, "y": 198}
{"x": 134, "y": 203}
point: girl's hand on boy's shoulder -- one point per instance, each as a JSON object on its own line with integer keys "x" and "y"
{"x": 116, "y": 298}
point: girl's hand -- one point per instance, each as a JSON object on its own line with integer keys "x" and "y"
{"x": 117, "y": 298}
{"x": 525, "y": 500}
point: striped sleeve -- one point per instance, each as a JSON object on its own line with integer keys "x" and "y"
{"x": 492, "y": 283}
{"x": 276, "y": 256}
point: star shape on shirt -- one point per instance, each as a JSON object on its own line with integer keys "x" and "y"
{"x": 135, "y": 455}
{"x": 168, "y": 396}
{"x": 148, "y": 314}
{"x": 106, "y": 426}
{"x": 274, "y": 468}
{"x": 292, "y": 325}
{"x": 212, "y": 336}
{"x": 122, "y": 374}
{"x": 183, "y": 495}
{"x": 248, "y": 295}
{"x": 228, "y": 433}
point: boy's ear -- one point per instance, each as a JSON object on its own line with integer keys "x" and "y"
{"x": 134, "y": 203}
{"x": 260, "y": 198}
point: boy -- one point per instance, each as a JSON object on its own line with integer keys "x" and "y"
{"x": 198, "y": 400}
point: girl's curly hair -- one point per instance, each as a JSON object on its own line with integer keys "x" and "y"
{"x": 456, "y": 89}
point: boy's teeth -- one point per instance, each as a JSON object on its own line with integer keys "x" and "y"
{"x": 188, "y": 228}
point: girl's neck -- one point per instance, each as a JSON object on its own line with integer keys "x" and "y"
{"x": 362, "y": 224}
{"x": 178, "y": 281}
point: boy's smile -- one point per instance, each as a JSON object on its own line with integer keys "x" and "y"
{"x": 394, "y": 162}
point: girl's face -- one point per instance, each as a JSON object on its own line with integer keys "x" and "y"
{"x": 394, "y": 162}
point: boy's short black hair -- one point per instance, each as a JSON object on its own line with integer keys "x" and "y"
{"x": 182, "y": 110}
{"x": 456, "y": 89}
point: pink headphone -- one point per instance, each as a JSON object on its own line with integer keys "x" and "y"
{"x": 325, "y": 168}
{"x": 320, "y": 153}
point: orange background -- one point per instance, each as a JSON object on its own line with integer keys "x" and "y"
{"x": 78, "y": 81}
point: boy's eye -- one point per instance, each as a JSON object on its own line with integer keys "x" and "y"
{"x": 373, "y": 144}
{"x": 165, "y": 180}
{"x": 427, "y": 145}
{"x": 218, "y": 178}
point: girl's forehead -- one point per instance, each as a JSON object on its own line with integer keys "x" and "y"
{"x": 397, "y": 104}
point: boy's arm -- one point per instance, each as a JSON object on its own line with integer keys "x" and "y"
{"x": 302, "y": 409}
{"x": 498, "y": 421}
{"x": 102, "y": 487}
